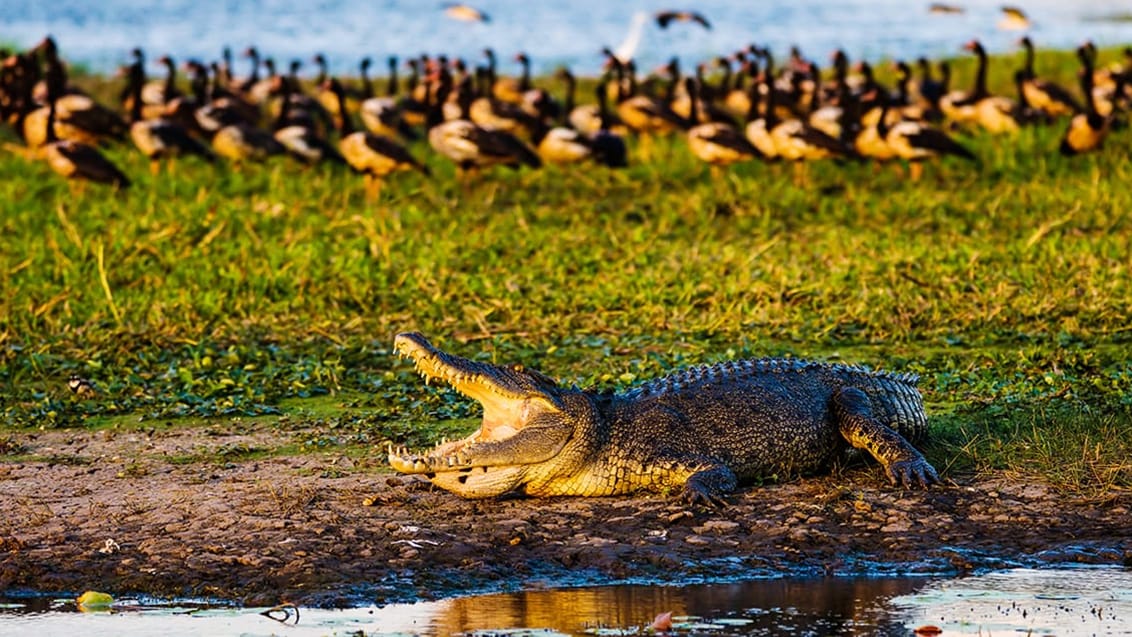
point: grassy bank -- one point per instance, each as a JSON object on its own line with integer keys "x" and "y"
{"x": 275, "y": 290}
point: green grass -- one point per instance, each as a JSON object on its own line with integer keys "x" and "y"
{"x": 274, "y": 291}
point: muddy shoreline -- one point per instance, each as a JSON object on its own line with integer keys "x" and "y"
{"x": 122, "y": 513}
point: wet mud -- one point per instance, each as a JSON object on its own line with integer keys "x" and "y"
{"x": 131, "y": 513}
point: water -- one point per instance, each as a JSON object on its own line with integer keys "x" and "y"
{"x": 1066, "y": 602}
{"x": 100, "y": 34}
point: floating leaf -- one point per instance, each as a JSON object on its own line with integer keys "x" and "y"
{"x": 94, "y": 601}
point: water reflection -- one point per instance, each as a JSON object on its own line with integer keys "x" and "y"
{"x": 804, "y": 607}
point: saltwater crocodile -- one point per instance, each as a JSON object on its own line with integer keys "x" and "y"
{"x": 701, "y": 430}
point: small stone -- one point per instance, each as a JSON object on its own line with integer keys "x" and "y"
{"x": 679, "y": 515}
{"x": 897, "y": 527}
{"x": 717, "y": 526}
{"x": 697, "y": 540}
{"x": 512, "y": 523}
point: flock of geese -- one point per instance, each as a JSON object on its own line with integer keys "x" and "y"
{"x": 735, "y": 108}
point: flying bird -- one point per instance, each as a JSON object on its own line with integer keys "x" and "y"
{"x": 1013, "y": 19}
{"x": 942, "y": 7}
{"x": 465, "y": 12}
{"x": 664, "y": 18}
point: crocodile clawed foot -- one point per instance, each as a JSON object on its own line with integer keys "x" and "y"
{"x": 699, "y": 496}
{"x": 910, "y": 473}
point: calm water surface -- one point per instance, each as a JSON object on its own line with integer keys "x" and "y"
{"x": 100, "y": 34}
{"x": 1064, "y": 602}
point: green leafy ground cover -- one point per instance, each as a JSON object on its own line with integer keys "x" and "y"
{"x": 213, "y": 295}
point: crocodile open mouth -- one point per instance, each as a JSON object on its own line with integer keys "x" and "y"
{"x": 509, "y": 395}
{"x": 505, "y": 405}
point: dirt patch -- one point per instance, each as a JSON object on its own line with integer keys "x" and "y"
{"x": 135, "y": 513}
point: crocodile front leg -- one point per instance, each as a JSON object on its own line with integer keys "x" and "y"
{"x": 903, "y": 464}
{"x": 647, "y": 462}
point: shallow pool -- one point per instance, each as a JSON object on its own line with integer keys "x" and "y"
{"x": 1063, "y": 602}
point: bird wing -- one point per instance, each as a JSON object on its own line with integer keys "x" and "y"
{"x": 820, "y": 139}
{"x": 1014, "y": 12}
{"x": 628, "y": 47}
{"x": 467, "y": 13}
{"x": 664, "y": 18}
{"x": 499, "y": 145}
{"x": 176, "y": 139}
{"x": 390, "y": 148}
{"x": 453, "y": 139}
{"x": 730, "y": 138}
{"x": 941, "y": 7}
{"x": 936, "y": 140}
{"x": 91, "y": 117}
{"x": 1059, "y": 93}
{"x": 90, "y": 164}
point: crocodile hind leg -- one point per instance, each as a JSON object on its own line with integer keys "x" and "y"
{"x": 902, "y": 463}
